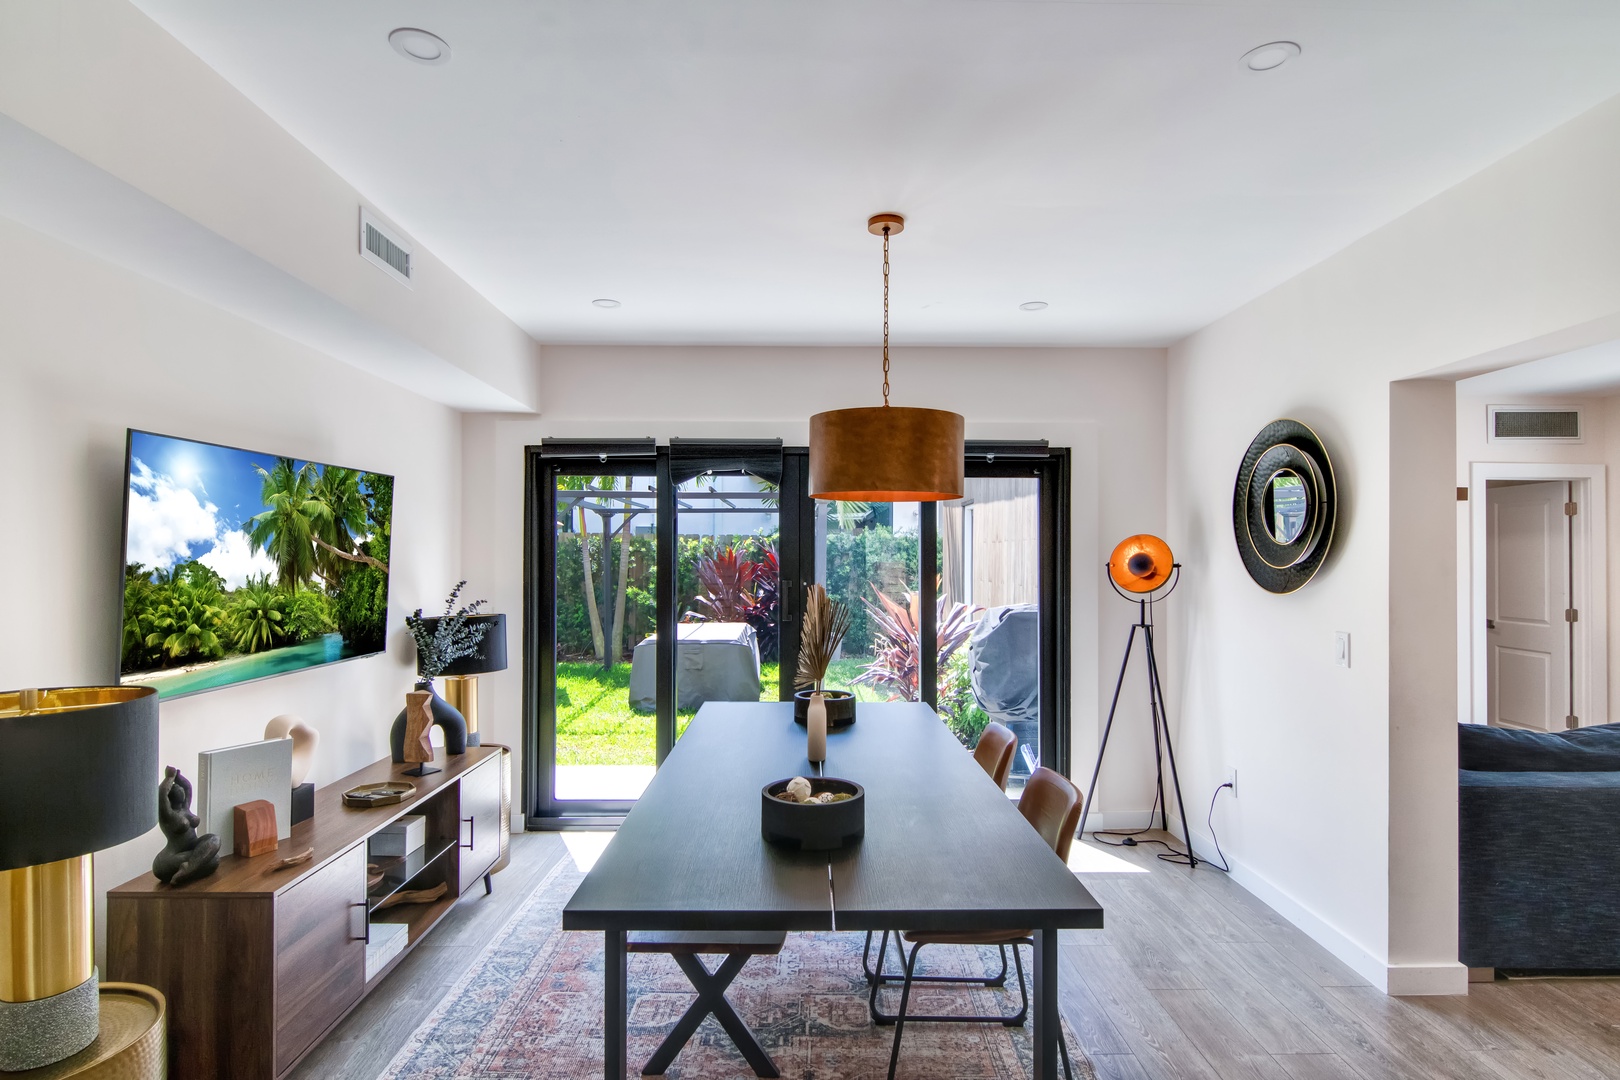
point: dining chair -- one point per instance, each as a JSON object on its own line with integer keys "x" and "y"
{"x": 994, "y": 753}
{"x": 1052, "y": 805}
{"x": 685, "y": 946}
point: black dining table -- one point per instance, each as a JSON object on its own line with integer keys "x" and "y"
{"x": 944, "y": 849}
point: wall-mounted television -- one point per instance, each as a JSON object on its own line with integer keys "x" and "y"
{"x": 241, "y": 565}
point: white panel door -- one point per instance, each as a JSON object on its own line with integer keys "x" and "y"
{"x": 1527, "y": 592}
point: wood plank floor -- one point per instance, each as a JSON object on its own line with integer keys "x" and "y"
{"x": 1194, "y": 979}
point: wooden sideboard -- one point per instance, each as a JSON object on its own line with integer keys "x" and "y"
{"x": 258, "y": 964}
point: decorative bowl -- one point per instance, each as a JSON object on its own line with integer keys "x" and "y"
{"x": 813, "y": 826}
{"x": 840, "y": 708}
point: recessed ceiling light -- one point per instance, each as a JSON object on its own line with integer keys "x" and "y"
{"x": 1033, "y": 305}
{"x": 1273, "y": 54}
{"x": 419, "y": 45}
{"x": 605, "y": 302}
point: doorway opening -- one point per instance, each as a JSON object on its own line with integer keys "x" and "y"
{"x": 1538, "y": 633}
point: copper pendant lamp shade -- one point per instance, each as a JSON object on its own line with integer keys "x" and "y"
{"x": 883, "y": 453}
{"x": 1141, "y": 563}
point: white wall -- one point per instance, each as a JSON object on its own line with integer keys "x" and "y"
{"x": 88, "y": 350}
{"x": 1106, "y": 404}
{"x": 1526, "y": 250}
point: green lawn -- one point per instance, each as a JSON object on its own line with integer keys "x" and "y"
{"x": 597, "y": 726}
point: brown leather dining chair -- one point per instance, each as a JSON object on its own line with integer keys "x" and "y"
{"x": 1052, "y": 805}
{"x": 994, "y": 753}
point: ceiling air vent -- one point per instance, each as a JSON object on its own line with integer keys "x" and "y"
{"x": 1516, "y": 422}
{"x": 384, "y": 248}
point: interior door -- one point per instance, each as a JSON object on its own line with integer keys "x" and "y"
{"x": 1527, "y": 594}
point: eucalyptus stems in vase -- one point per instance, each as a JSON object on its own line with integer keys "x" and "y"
{"x": 825, "y": 623}
{"x": 440, "y": 642}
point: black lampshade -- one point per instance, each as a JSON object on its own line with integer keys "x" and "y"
{"x": 78, "y": 771}
{"x": 491, "y": 654}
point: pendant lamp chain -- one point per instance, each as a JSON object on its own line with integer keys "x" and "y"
{"x": 885, "y": 316}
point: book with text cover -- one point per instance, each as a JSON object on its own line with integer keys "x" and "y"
{"x": 233, "y": 775}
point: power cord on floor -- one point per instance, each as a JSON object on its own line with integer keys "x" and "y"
{"x": 1180, "y": 858}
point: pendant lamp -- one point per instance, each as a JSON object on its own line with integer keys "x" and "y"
{"x": 884, "y": 453}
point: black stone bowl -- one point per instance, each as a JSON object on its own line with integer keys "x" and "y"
{"x": 840, "y": 708}
{"x": 813, "y": 826}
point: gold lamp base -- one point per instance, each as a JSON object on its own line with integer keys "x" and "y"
{"x": 461, "y": 692}
{"x": 48, "y": 1008}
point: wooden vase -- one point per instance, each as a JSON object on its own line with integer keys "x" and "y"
{"x": 418, "y": 725}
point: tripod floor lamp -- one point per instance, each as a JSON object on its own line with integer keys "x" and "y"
{"x": 1142, "y": 570}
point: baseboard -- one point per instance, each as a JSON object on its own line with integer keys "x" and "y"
{"x": 1102, "y": 820}
{"x": 1397, "y": 980}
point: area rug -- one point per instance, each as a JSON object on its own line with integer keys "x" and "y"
{"x": 531, "y": 1007}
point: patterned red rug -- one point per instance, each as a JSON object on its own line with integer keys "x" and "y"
{"x": 531, "y": 1007}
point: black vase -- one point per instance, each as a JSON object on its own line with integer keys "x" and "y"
{"x": 445, "y": 715}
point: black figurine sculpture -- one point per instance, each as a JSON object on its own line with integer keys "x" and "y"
{"x": 187, "y": 856}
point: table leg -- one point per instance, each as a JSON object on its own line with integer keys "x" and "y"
{"x": 1048, "y": 1028}
{"x": 615, "y": 1006}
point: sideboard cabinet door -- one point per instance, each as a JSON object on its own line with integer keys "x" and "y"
{"x": 480, "y": 820}
{"x": 320, "y": 952}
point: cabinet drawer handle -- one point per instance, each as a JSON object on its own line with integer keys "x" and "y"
{"x": 472, "y": 825}
{"x": 365, "y": 921}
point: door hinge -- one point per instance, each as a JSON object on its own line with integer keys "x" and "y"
{"x": 1462, "y": 494}
{"x": 1572, "y": 722}
{"x": 1569, "y": 509}
{"x": 1571, "y": 615}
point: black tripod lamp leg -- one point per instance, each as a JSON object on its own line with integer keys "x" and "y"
{"x": 1175, "y": 779}
{"x": 1119, "y": 684}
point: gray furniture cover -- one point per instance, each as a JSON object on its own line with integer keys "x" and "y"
{"x": 1538, "y": 828}
{"x": 1004, "y": 662}
{"x": 713, "y": 662}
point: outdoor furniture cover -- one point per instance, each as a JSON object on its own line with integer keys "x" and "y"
{"x": 1004, "y": 662}
{"x": 713, "y": 662}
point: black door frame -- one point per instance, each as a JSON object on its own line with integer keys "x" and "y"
{"x": 796, "y": 551}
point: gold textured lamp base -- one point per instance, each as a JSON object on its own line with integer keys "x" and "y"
{"x": 132, "y": 1044}
{"x": 461, "y": 691}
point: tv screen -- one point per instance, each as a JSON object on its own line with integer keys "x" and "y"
{"x": 240, "y": 565}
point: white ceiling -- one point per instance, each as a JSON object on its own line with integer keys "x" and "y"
{"x": 1590, "y": 372}
{"x": 711, "y": 163}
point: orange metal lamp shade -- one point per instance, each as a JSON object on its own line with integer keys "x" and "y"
{"x": 1141, "y": 563}
{"x": 886, "y": 454}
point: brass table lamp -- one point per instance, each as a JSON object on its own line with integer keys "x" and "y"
{"x": 78, "y": 773}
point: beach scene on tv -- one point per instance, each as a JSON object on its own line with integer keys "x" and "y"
{"x": 239, "y": 565}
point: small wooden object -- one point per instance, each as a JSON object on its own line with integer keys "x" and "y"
{"x": 418, "y": 724}
{"x": 368, "y": 795}
{"x": 414, "y": 896}
{"x": 295, "y": 860}
{"x": 255, "y": 827}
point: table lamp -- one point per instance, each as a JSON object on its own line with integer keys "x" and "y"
{"x": 461, "y": 677}
{"x": 78, "y": 773}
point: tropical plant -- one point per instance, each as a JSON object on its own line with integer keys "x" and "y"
{"x": 294, "y": 516}
{"x": 896, "y": 667}
{"x": 140, "y": 598}
{"x": 336, "y": 550}
{"x": 309, "y": 615}
{"x": 958, "y": 706}
{"x": 258, "y": 615}
{"x": 186, "y": 620}
{"x": 733, "y": 588}
{"x": 360, "y": 602}
{"x": 451, "y": 639}
{"x": 825, "y": 623}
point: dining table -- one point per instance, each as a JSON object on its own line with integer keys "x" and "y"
{"x": 943, "y": 849}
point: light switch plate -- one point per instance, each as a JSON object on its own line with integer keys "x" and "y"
{"x": 1341, "y": 648}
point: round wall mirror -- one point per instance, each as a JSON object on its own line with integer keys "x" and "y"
{"x": 1288, "y": 506}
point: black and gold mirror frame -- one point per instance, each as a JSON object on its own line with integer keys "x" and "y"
{"x": 1284, "y": 505}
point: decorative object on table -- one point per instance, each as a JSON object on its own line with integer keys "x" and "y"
{"x": 831, "y": 815}
{"x": 233, "y": 775}
{"x": 440, "y": 642}
{"x": 822, "y": 631}
{"x": 1284, "y": 506}
{"x": 886, "y": 454}
{"x": 75, "y": 778}
{"x": 1143, "y": 570}
{"x": 367, "y": 796}
{"x": 404, "y": 836}
{"x": 460, "y": 676}
{"x": 815, "y": 723}
{"x": 295, "y": 860}
{"x": 253, "y": 826}
{"x": 304, "y": 740}
{"x": 416, "y": 746}
{"x": 187, "y": 856}
{"x": 414, "y": 896}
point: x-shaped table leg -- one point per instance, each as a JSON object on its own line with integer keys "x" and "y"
{"x": 711, "y": 991}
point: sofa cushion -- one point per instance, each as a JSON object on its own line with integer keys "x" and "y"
{"x": 1494, "y": 749}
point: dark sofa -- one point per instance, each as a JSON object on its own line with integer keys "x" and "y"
{"x": 1539, "y": 848}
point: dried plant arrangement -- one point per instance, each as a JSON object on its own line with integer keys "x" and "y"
{"x": 826, "y": 621}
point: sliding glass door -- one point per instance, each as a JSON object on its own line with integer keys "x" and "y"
{"x": 662, "y": 578}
